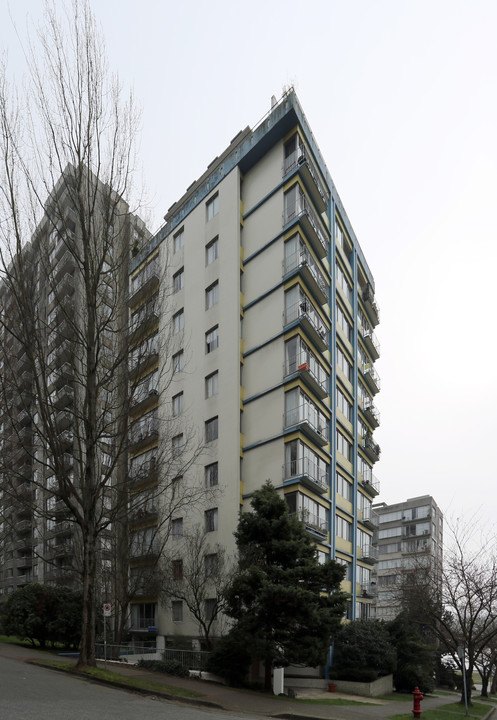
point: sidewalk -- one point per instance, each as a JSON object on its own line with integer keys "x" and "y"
{"x": 251, "y": 703}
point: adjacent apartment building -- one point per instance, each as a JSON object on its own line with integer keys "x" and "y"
{"x": 410, "y": 536}
{"x": 260, "y": 287}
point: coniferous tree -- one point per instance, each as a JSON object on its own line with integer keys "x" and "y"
{"x": 284, "y": 602}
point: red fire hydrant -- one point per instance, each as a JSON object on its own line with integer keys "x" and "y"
{"x": 416, "y": 710}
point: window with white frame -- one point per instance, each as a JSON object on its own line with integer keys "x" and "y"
{"x": 179, "y": 240}
{"x": 344, "y": 446}
{"x": 177, "y": 404}
{"x": 212, "y": 251}
{"x": 343, "y": 528}
{"x": 344, "y": 405}
{"x": 179, "y": 280}
{"x": 177, "y": 610}
{"x": 177, "y": 528}
{"x": 177, "y": 443}
{"x": 344, "y": 487}
{"x": 178, "y": 361}
{"x": 211, "y": 564}
{"x": 212, "y": 207}
{"x": 178, "y": 321}
{"x": 212, "y": 295}
{"x": 212, "y": 339}
{"x": 211, "y": 429}
{"x": 344, "y": 364}
{"x": 211, "y": 520}
{"x": 212, "y": 384}
{"x": 211, "y": 475}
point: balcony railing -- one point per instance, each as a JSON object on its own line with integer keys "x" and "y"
{"x": 143, "y": 430}
{"x": 316, "y": 374}
{"x": 371, "y": 342}
{"x": 371, "y": 448}
{"x": 306, "y": 415}
{"x": 371, "y": 305}
{"x": 303, "y": 210}
{"x": 312, "y": 522}
{"x": 305, "y": 311}
{"x": 144, "y": 471}
{"x": 370, "y": 553}
{"x": 371, "y": 377}
{"x": 371, "y": 412}
{"x": 370, "y": 482}
{"x": 304, "y": 260}
{"x": 301, "y": 158}
{"x": 145, "y": 283}
{"x": 370, "y": 517}
{"x": 306, "y": 468}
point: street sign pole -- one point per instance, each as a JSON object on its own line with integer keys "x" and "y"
{"x": 107, "y": 610}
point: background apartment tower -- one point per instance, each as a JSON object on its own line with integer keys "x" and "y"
{"x": 273, "y": 352}
{"x": 410, "y": 537}
{"x": 42, "y": 379}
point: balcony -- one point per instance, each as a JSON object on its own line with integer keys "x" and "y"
{"x": 64, "y": 420}
{"x": 305, "y": 314}
{"x": 64, "y": 266}
{"x": 371, "y": 377}
{"x": 371, "y": 448}
{"x": 301, "y": 160}
{"x": 146, "y": 472}
{"x": 61, "y": 376}
{"x": 313, "y": 375}
{"x": 144, "y": 320}
{"x": 371, "y": 413}
{"x": 143, "y": 357}
{"x": 24, "y": 526}
{"x": 312, "y": 522}
{"x": 143, "y": 432}
{"x": 63, "y": 397}
{"x": 370, "y": 554}
{"x": 371, "y": 305}
{"x": 301, "y": 211}
{"x": 307, "y": 472}
{"x": 371, "y": 343}
{"x": 303, "y": 262}
{"x": 312, "y": 423}
{"x": 370, "y": 482}
{"x": 143, "y": 401}
{"x": 370, "y": 517}
{"x": 144, "y": 284}
{"x": 369, "y": 590}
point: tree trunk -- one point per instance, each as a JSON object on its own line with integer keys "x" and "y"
{"x": 469, "y": 686}
{"x": 493, "y": 686}
{"x": 87, "y": 651}
{"x": 484, "y": 685}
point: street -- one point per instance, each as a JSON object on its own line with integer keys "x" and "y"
{"x": 28, "y": 691}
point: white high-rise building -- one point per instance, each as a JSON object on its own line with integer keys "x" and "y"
{"x": 273, "y": 351}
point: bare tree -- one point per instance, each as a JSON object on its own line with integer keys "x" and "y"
{"x": 197, "y": 575}
{"x": 461, "y": 610}
{"x": 74, "y": 363}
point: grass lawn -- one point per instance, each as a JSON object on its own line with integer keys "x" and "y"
{"x": 133, "y": 683}
{"x": 453, "y": 711}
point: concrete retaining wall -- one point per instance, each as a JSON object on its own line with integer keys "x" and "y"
{"x": 382, "y": 686}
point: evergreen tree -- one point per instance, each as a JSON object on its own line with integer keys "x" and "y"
{"x": 284, "y": 602}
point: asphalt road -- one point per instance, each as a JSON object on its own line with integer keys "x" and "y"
{"x": 28, "y": 692}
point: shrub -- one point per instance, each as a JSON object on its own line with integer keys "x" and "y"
{"x": 231, "y": 659}
{"x": 171, "y": 667}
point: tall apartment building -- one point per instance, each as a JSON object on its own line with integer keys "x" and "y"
{"x": 272, "y": 355}
{"x": 410, "y": 536}
{"x": 42, "y": 380}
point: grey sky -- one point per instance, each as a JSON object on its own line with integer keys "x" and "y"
{"x": 402, "y": 98}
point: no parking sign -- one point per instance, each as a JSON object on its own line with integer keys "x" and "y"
{"x": 107, "y": 607}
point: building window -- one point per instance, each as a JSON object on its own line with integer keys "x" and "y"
{"x": 179, "y": 240}
{"x": 177, "y": 404}
{"x": 178, "y": 321}
{"x": 344, "y": 487}
{"x": 212, "y": 295}
{"x": 210, "y": 607}
{"x": 212, "y": 339}
{"x": 178, "y": 361}
{"x": 211, "y": 564}
{"x": 212, "y": 251}
{"x": 211, "y": 429}
{"x": 211, "y": 384}
{"x": 344, "y": 446}
{"x": 344, "y": 405}
{"x": 177, "y": 528}
{"x": 178, "y": 570}
{"x": 343, "y": 528}
{"x": 177, "y": 610}
{"x": 211, "y": 475}
{"x": 179, "y": 280}
{"x": 212, "y": 207}
{"x": 211, "y": 520}
{"x": 177, "y": 444}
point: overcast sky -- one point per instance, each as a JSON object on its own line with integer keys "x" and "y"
{"x": 402, "y": 99}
